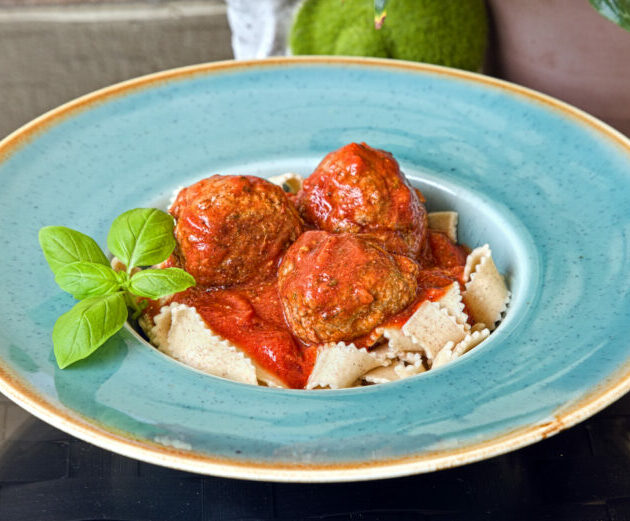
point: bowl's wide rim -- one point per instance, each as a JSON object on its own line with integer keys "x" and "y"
{"x": 123, "y": 443}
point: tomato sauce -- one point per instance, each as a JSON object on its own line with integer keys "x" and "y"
{"x": 251, "y": 316}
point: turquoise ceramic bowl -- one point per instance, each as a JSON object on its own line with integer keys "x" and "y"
{"x": 545, "y": 184}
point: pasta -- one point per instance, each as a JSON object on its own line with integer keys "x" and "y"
{"x": 462, "y": 300}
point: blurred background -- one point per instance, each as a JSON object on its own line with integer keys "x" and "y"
{"x": 54, "y": 50}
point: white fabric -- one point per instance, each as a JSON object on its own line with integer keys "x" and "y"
{"x": 260, "y": 28}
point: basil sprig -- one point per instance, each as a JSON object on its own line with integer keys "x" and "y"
{"x": 139, "y": 237}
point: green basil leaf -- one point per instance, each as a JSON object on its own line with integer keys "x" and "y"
{"x": 159, "y": 283}
{"x": 617, "y": 11}
{"x": 62, "y": 246}
{"x": 80, "y": 331}
{"x": 87, "y": 279}
{"x": 122, "y": 277}
{"x": 142, "y": 237}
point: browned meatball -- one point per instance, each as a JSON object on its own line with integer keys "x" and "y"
{"x": 337, "y": 287}
{"x": 360, "y": 189}
{"x": 233, "y": 229}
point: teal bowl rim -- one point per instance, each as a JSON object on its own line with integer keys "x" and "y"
{"x": 121, "y": 442}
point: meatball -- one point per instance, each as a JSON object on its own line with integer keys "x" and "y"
{"x": 233, "y": 229}
{"x": 360, "y": 189}
{"x": 337, "y": 287}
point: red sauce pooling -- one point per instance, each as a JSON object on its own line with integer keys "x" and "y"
{"x": 446, "y": 254}
{"x": 251, "y": 316}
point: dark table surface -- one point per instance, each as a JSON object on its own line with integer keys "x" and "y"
{"x": 582, "y": 474}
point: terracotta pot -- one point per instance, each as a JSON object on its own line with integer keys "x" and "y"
{"x": 566, "y": 49}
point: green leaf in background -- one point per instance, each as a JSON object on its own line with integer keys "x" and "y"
{"x": 617, "y": 11}
{"x": 62, "y": 246}
{"x": 87, "y": 279}
{"x": 159, "y": 283}
{"x": 80, "y": 331}
{"x": 142, "y": 237}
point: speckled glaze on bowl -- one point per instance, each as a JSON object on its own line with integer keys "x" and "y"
{"x": 545, "y": 184}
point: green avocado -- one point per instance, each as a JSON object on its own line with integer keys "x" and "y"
{"x": 445, "y": 32}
